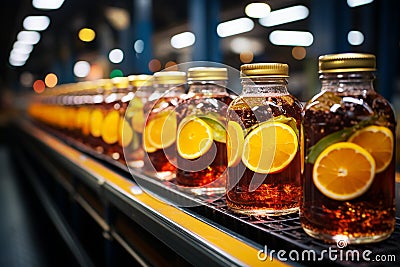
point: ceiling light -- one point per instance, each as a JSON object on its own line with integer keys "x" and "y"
{"x": 118, "y": 17}
{"x": 116, "y": 56}
{"x": 36, "y": 23}
{"x": 355, "y": 37}
{"x": 16, "y": 63}
{"x": 234, "y": 27}
{"x": 23, "y": 47}
{"x": 28, "y": 37}
{"x": 354, "y": 3}
{"x": 47, "y": 4}
{"x": 17, "y": 56}
{"x": 284, "y": 15}
{"x": 257, "y": 10}
{"x": 291, "y": 38}
{"x": 183, "y": 39}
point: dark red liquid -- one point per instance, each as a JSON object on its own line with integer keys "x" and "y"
{"x": 373, "y": 212}
{"x": 279, "y": 192}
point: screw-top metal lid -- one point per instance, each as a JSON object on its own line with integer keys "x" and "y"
{"x": 264, "y": 70}
{"x": 346, "y": 62}
{"x": 120, "y": 82}
{"x": 169, "y": 77}
{"x": 140, "y": 80}
{"x": 105, "y": 84}
{"x": 207, "y": 74}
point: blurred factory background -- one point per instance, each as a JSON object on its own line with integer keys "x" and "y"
{"x": 45, "y": 43}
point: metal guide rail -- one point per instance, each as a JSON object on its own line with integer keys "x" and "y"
{"x": 270, "y": 234}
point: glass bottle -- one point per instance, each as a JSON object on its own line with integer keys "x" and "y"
{"x": 264, "y": 143}
{"x": 113, "y": 109}
{"x": 96, "y": 117}
{"x": 201, "y": 134}
{"x": 142, "y": 87}
{"x": 159, "y": 134}
{"x": 349, "y": 173}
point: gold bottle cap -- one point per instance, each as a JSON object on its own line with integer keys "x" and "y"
{"x": 140, "y": 80}
{"x": 346, "y": 62}
{"x": 120, "y": 82}
{"x": 170, "y": 77}
{"x": 279, "y": 70}
{"x": 207, "y": 74}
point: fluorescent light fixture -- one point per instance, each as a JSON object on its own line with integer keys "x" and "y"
{"x": 257, "y": 10}
{"x": 116, "y": 56}
{"x": 28, "y": 37}
{"x": 81, "y": 69}
{"x": 284, "y": 15}
{"x": 183, "y": 39}
{"x": 354, "y": 3}
{"x": 36, "y": 23}
{"x": 16, "y": 63}
{"x": 24, "y": 48}
{"x": 47, "y": 4}
{"x": 291, "y": 38}
{"x": 18, "y": 57}
{"x": 234, "y": 27}
{"x": 355, "y": 37}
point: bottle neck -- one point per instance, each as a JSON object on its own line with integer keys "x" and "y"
{"x": 207, "y": 87}
{"x": 265, "y": 85}
{"x": 354, "y": 82}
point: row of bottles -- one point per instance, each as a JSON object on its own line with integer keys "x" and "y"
{"x": 332, "y": 158}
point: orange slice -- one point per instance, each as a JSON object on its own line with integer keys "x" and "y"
{"x": 194, "y": 139}
{"x": 160, "y": 131}
{"x": 96, "y": 122}
{"x": 344, "y": 171}
{"x": 270, "y": 147}
{"x": 125, "y": 133}
{"x": 378, "y": 141}
{"x": 109, "y": 131}
{"x": 234, "y": 144}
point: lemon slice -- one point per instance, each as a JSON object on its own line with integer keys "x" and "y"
{"x": 125, "y": 133}
{"x": 378, "y": 141}
{"x": 270, "y": 147}
{"x": 344, "y": 171}
{"x": 194, "y": 138}
{"x": 234, "y": 145}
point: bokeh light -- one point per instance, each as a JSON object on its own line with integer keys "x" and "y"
{"x": 299, "y": 52}
{"x": 81, "y": 69}
{"x": 86, "y": 35}
{"x": 171, "y": 65}
{"x": 26, "y": 79}
{"x": 154, "y": 65}
{"x": 39, "y": 86}
{"x": 116, "y": 73}
{"x": 246, "y": 57}
{"x": 116, "y": 56}
{"x": 51, "y": 80}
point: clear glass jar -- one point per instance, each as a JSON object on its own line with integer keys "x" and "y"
{"x": 159, "y": 135}
{"x": 349, "y": 173}
{"x": 201, "y": 134}
{"x": 141, "y": 87}
{"x": 264, "y": 143}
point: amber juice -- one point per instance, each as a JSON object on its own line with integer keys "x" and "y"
{"x": 211, "y": 166}
{"x": 370, "y": 216}
{"x": 278, "y": 193}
